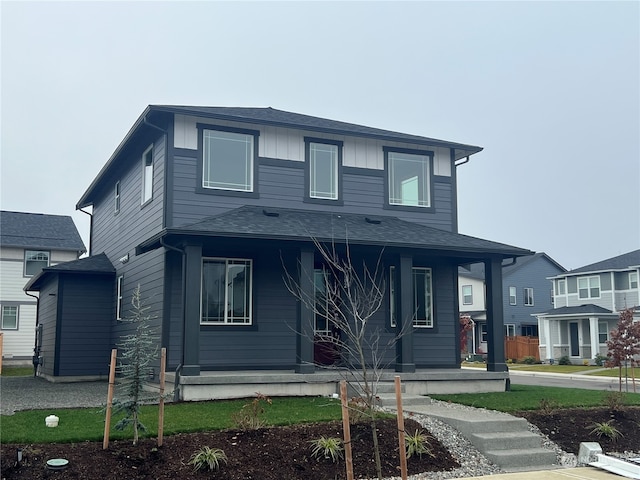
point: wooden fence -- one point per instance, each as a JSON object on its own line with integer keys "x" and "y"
{"x": 519, "y": 347}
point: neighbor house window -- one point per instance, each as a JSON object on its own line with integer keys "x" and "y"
{"x": 467, "y": 294}
{"x": 147, "y": 175}
{"x": 603, "y": 332}
{"x": 228, "y": 160}
{"x": 513, "y": 300}
{"x": 528, "y": 296}
{"x": 119, "y": 289}
{"x": 226, "y": 291}
{"x": 562, "y": 287}
{"x": 408, "y": 178}
{"x": 633, "y": 279}
{"x": 34, "y": 261}
{"x": 589, "y": 287}
{"x": 483, "y": 332}
{"x": 510, "y": 330}
{"x": 422, "y": 297}
{"x": 323, "y": 163}
{"x": 116, "y": 198}
{"x": 9, "y": 317}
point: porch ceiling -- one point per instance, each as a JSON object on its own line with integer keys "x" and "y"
{"x": 255, "y": 222}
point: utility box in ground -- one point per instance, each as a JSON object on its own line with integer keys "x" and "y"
{"x": 588, "y": 452}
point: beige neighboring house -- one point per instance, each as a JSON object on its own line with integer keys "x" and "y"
{"x": 29, "y": 242}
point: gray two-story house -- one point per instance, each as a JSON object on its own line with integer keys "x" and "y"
{"x": 207, "y": 208}
{"x": 587, "y": 302}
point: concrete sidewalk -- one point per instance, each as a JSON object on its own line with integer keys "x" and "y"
{"x": 579, "y": 473}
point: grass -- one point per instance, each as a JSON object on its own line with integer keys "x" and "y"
{"x": 17, "y": 371}
{"x": 528, "y": 397}
{"x": 613, "y": 372}
{"x": 80, "y": 424}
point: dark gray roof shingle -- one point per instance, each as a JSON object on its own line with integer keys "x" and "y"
{"x": 96, "y": 264}
{"x": 621, "y": 262}
{"x": 579, "y": 310}
{"x": 39, "y": 231}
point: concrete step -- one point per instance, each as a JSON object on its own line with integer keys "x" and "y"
{"x": 389, "y": 400}
{"x": 525, "y": 458}
{"x": 505, "y": 440}
{"x": 483, "y": 422}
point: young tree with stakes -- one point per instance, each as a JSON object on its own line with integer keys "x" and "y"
{"x": 624, "y": 343}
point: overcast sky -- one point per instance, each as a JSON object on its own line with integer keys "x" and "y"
{"x": 551, "y": 90}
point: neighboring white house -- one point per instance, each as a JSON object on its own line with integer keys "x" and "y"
{"x": 29, "y": 242}
{"x": 587, "y": 304}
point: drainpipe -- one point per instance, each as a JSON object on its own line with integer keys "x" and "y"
{"x": 90, "y": 229}
{"x": 35, "y": 359}
{"x": 176, "y": 382}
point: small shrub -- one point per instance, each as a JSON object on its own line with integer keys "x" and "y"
{"x": 327, "y": 447}
{"x": 564, "y": 360}
{"x": 417, "y": 444}
{"x": 614, "y": 400}
{"x": 250, "y": 416}
{"x": 606, "y": 429}
{"x": 600, "y": 360}
{"x": 529, "y": 360}
{"x": 209, "y": 458}
{"x": 547, "y": 405}
{"x": 585, "y": 363}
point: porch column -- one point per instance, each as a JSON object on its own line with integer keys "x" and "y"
{"x": 304, "y": 324}
{"x": 191, "y": 337}
{"x": 404, "y": 315}
{"x": 495, "y": 316}
{"x": 593, "y": 330}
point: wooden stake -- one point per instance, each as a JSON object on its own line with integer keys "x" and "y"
{"x": 348, "y": 458}
{"x": 163, "y": 361}
{"x": 112, "y": 378}
{"x": 403, "y": 451}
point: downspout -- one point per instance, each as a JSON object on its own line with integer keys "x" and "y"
{"x": 90, "y": 230}
{"x": 36, "y": 348}
{"x": 176, "y": 382}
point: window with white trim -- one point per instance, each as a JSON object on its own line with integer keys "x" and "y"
{"x": 510, "y": 329}
{"x": 408, "y": 178}
{"x": 34, "y": 261}
{"x": 467, "y": 294}
{"x": 561, "y": 287}
{"x": 147, "y": 175}
{"x": 323, "y": 162}
{"x": 422, "y": 297}
{"x": 513, "y": 296}
{"x": 227, "y": 160}
{"x": 589, "y": 287}
{"x": 603, "y": 332}
{"x": 9, "y": 317}
{"x": 528, "y": 296}
{"x": 633, "y": 279}
{"x": 116, "y": 198}
{"x": 119, "y": 289}
{"x": 226, "y": 291}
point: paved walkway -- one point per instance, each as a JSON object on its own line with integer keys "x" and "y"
{"x": 581, "y": 473}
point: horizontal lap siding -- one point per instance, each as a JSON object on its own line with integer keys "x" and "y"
{"x": 48, "y": 320}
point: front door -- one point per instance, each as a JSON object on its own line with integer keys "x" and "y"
{"x": 574, "y": 339}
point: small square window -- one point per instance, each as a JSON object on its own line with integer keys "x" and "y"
{"x": 589, "y": 287}
{"x": 228, "y": 160}
{"x": 408, "y": 178}
{"x": 34, "y": 261}
{"x": 147, "y": 175}
{"x": 9, "y": 317}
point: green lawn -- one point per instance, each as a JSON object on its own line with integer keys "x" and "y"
{"x": 527, "y": 397}
{"x": 17, "y": 371}
{"x": 613, "y": 372}
{"x": 79, "y": 424}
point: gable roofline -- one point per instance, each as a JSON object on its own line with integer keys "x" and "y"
{"x": 621, "y": 263}
{"x": 272, "y": 117}
{"x": 521, "y": 262}
{"x": 42, "y": 231}
{"x": 94, "y": 265}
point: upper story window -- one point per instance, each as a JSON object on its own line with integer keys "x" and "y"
{"x": 528, "y": 296}
{"x": 633, "y": 279}
{"x": 147, "y": 175}
{"x": 589, "y": 287}
{"x": 324, "y": 164}
{"x": 409, "y": 177}
{"x": 422, "y": 297}
{"x": 513, "y": 296}
{"x": 119, "y": 289}
{"x": 116, "y": 198}
{"x": 9, "y": 317}
{"x": 561, "y": 287}
{"x": 34, "y": 261}
{"x": 226, "y": 291}
{"x": 467, "y": 294}
{"x": 228, "y": 159}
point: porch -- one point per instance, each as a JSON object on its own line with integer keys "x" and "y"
{"x": 210, "y": 385}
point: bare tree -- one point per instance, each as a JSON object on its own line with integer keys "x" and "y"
{"x": 347, "y": 301}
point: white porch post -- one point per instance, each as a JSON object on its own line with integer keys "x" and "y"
{"x": 595, "y": 344}
{"x": 546, "y": 323}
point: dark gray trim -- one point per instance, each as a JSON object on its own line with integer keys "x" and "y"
{"x": 304, "y": 324}
{"x": 193, "y": 289}
{"x": 307, "y": 172}
{"x": 364, "y": 172}
{"x": 279, "y": 162}
{"x": 183, "y": 152}
{"x": 454, "y": 192}
{"x": 404, "y": 315}
{"x": 58, "y": 339}
{"x": 169, "y": 186}
{"x": 254, "y": 193}
{"x": 408, "y": 208}
{"x": 442, "y": 179}
{"x": 495, "y": 316}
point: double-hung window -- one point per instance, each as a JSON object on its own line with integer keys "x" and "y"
{"x": 422, "y": 297}
{"x": 467, "y": 294}
{"x": 633, "y": 279}
{"x": 409, "y": 177}
{"x": 9, "y": 317}
{"x": 603, "y": 332}
{"x": 528, "y": 296}
{"x": 147, "y": 175}
{"x": 324, "y": 162}
{"x": 228, "y": 159}
{"x": 513, "y": 296}
{"x": 561, "y": 287}
{"x": 226, "y": 291}
{"x": 589, "y": 287}
{"x": 34, "y": 261}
